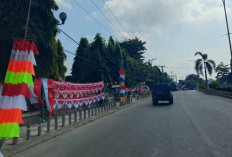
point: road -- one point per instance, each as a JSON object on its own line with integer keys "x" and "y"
{"x": 196, "y": 125}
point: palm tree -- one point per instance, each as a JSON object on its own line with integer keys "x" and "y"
{"x": 205, "y": 63}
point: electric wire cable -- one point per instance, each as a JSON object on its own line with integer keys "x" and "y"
{"x": 129, "y": 34}
{"x": 92, "y": 17}
{"x": 107, "y": 19}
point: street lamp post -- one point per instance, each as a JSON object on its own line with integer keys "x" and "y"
{"x": 63, "y": 17}
{"x": 228, "y": 31}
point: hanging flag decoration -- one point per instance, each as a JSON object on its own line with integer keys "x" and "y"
{"x": 35, "y": 92}
{"x": 60, "y": 93}
{"x": 122, "y": 85}
{"x": 16, "y": 87}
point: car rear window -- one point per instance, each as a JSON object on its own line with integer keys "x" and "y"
{"x": 161, "y": 87}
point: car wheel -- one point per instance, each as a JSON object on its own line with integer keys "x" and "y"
{"x": 171, "y": 101}
{"x": 155, "y": 102}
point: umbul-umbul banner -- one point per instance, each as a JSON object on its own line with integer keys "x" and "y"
{"x": 16, "y": 87}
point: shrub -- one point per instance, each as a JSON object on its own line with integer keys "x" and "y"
{"x": 225, "y": 88}
{"x": 214, "y": 84}
{"x": 201, "y": 85}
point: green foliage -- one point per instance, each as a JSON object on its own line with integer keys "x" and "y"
{"x": 42, "y": 29}
{"x": 61, "y": 57}
{"x": 225, "y": 88}
{"x": 192, "y": 77}
{"x": 207, "y": 64}
{"x": 97, "y": 60}
{"x": 222, "y": 73}
{"x": 201, "y": 84}
{"x": 81, "y": 64}
{"x": 214, "y": 84}
{"x": 135, "y": 48}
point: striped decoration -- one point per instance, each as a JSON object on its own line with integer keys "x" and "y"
{"x": 122, "y": 84}
{"x": 16, "y": 87}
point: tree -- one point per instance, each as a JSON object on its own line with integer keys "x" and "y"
{"x": 192, "y": 77}
{"x": 205, "y": 63}
{"x": 99, "y": 54}
{"x": 114, "y": 58}
{"x": 135, "y": 48}
{"x": 42, "y": 29}
{"x": 61, "y": 57}
{"x": 81, "y": 63}
{"x": 222, "y": 72}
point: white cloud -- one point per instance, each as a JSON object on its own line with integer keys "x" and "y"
{"x": 156, "y": 21}
{"x": 63, "y": 3}
{"x": 159, "y": 15}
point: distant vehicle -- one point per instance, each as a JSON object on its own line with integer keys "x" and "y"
{"x": 161, "y": 92}
{"x": 173, "y": 86}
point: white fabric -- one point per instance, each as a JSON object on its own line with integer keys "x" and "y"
{"x": 122, "y": 76}
{"x": 23, "y": 56}
{"x": 45, "y": 88}
{"x": 122, "y": 91}
{"x": 34, "y": 98}
{"x": 7, "y": 102}
{"x": 69, "y": 105}
{"x": 76, "y": 105}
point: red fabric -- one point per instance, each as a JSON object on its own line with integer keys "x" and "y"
{"x": 21, "y": 66}
{"x": 11, "y": 116}
{"x": 34, "y": 48}
{"x": 51, "y": 94}
{"x": 61, "y": 92}
{"x": 122, "y": 72}
{"x": 122, "y": 87}
{"x": 23, "y": 45}
{"x": 37, "y": 90}
{"x": 15, "y": 90}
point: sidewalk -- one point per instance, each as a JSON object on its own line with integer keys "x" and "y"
{"x": 44, "y": 130}
{"x": 23, "y": 144}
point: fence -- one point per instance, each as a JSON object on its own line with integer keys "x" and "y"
{"x": 216, "y": 92}
{"x": 66, "y": 117}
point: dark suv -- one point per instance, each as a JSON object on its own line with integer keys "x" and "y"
{"x": 161, "y": 92}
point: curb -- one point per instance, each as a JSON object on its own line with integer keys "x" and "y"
{"x": 215, "y": 94}
{"x": 11, "y": 151}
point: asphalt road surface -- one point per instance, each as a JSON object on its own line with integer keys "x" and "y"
{"x": 196, "y": 125}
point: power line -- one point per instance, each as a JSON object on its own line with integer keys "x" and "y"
{"x": 117, "y": 19}
{"x": 89, "y": 62}
{"x": 112, "y": 60}
{"x": 68, "y": 36}
{"x": 106, "y": 17}
{"x": 92, "y": 16}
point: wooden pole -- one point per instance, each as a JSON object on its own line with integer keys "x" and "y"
{"x": 27, "y": 21}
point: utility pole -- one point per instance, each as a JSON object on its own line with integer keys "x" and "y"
{"x": 172, "y": 75}
{"x": 162, "y": 68}
{"x": 228, "y": 31}
{"x": 151, "y": 60}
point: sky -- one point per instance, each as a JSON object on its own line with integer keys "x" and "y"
{"x": 174, "y": 30}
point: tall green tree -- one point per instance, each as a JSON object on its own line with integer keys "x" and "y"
{"x": 100, "y": 55}
{"x": 204, "y": 63}
{"x": 61, "y": 57}
{"x": 80, "y": 68}
{"x": 192, "y": 77}
{"x": 42, "y": 29}
{"x": 135, "y": 48}
{"x": 222, "y": 71}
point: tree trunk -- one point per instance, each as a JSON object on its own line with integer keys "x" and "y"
{"x": 206, "y": 80}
